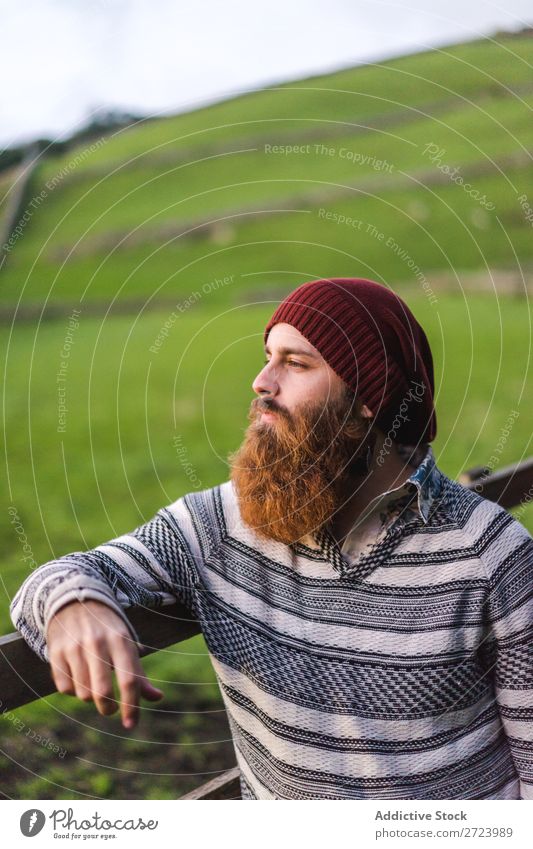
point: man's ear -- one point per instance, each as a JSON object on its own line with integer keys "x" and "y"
{"x": 368, "y": 414}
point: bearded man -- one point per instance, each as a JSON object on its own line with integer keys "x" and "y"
{"x": 367, "y": 617}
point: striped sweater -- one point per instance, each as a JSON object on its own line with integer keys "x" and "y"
{"x": 397, "y": 669}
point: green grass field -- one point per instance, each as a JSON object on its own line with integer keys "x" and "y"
{"x": 116, "y": 462}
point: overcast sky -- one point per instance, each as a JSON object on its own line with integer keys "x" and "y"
{"x": 62, "y": 59}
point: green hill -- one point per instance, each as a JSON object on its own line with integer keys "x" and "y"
{"x": 256, "y": 185}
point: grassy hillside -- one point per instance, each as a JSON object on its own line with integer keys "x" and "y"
{"x": 254, "y": 185}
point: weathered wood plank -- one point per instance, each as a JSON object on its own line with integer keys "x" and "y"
{"x": 509, "y": 486}
{"x": 24, "y": 677}
{"x": 225, "y": 786}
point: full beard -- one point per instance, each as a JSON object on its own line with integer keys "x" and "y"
{"x": 292, "y": 474}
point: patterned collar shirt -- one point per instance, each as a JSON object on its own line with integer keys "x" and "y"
{"x": 396, "y": 666}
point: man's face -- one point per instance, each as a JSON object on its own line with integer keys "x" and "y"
{"x": 305, "y": 441}
{"x": 294, "y": 373}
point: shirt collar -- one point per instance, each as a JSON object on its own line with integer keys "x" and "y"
{"x": 426, "y": 480}
{"x": 425, "y": 477}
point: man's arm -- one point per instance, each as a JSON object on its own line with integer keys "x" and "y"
{"x": 70, "y": 610}
{"x": 509, "y": 563}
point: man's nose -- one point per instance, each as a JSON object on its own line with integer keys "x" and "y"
{"x": 265, "y": 382}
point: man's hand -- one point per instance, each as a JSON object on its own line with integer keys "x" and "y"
{"x": 86, "y": 641}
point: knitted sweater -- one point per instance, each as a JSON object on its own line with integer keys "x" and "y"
{"x": 401, "y": 669}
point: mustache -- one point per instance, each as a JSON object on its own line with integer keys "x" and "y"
{"x": 267, "y": 405}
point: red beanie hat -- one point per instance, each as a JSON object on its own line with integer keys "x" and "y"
{"x": 371, "y": 339}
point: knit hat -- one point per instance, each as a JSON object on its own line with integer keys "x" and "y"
{"x": 371, "y": 339}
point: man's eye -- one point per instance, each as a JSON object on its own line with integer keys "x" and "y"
{"x": 292, "y": 363}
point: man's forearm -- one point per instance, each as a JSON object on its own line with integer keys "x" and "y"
{"x": 147, "y": 567}
{"x": 50, "y": 588}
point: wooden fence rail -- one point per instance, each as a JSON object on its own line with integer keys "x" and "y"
{"x": 24, "y": 677}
